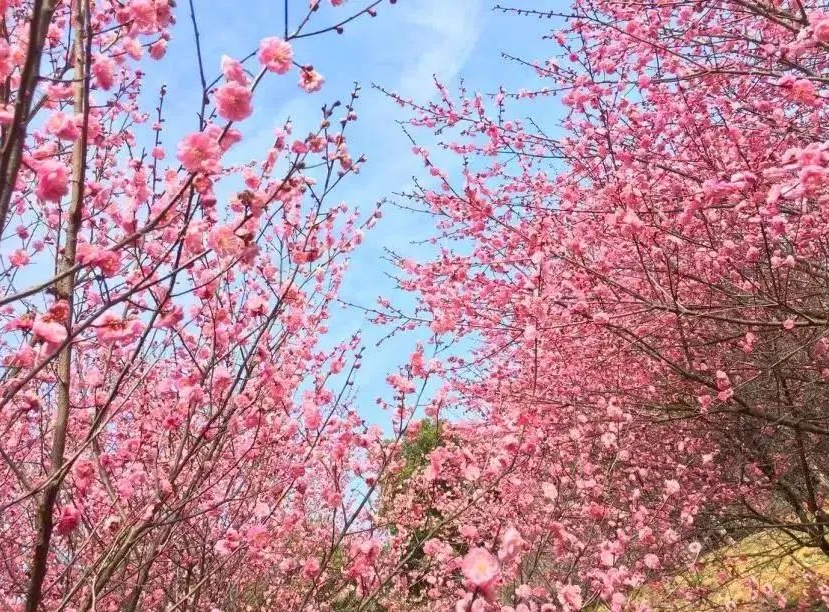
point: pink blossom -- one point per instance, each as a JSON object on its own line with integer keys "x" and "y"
{"x": 49, "y": 330}
{"x": 224, "y": 241}
{"x": 18, "y": 258}
{"x": 310, "y": 80}
{"x": 694, "y": 548}
{"x": 52, "y": 180}
{"x": 62, "y": 126}
{"x": 569, "y": 597}
{"x": 511, "y": 544}
{"x": 225, "y": 547}
{"x": 275, "y": 54}
{"x": 549, "y": 490}
{"x": 233, "y": 71}
{"x": 651, "y": 561}
{"x": 311, "y": 567}
{"x": 158, "y": 49}
{"x": 68, "y": 520}
{"x": 233, "y": 101}
{"x": 103, "y": 69}
{"x": 199, "y": 152}
{"x": 432, "y": 547}
{"x": 107, "y": 261}
{"x": 480, "y": 568}
{"x": 820, "y": 27}
{"x": 111, "y": 328}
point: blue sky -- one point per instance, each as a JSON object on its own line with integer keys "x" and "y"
{"x": 400, "y": 50}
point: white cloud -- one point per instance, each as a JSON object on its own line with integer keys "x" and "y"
{"x": 447, "y": 32}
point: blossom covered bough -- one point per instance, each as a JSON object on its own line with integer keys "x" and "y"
{"x": 644, "y": 283}
{"x": 644, "y": 286}
{"x": 174, "y": 436}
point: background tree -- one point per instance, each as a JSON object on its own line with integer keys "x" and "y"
{"x": 647, "y": 290}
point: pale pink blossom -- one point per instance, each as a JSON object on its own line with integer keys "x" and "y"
{"x": 68, "y": 520}
{"x": 225, "y": 547}
{"x": 49, "y": 330}
{"x": 103, "y": 69}
{"x": 199, "y": 152}
{"x": 569, "y": 596}
{"x": 63, "y": 126}
{"x": 224, "y": 241}
{"x": 18, "y": 258}
{"x": 310, "y": 80}
{"x": 158, "y": 49}
{"x": 694, "y": 548}
{"x": 511, "y": 544}
{"x": 111, "y": 328}
{"x": 275, "y": 54}
{"x": 52, "y": 180}
{"x": 820, "y": 27}
{"x": 233, "y": 102}
{"x": 108, "y": 262}
{"x": 311, "y": 567}
{"x": 480, "y": 568}
{"x": 233, "y": 71}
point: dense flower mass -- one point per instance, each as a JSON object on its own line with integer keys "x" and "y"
{"x": 617, "y": 400}
{"x": 175, "y": 432}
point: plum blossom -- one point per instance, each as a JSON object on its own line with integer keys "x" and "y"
{"x": 651, "y": 561}
{"x": 63, "y": 126}
{"x": 19, "y": 258}
{"x": 52, "y": 181}
{"x": 224, "y": 241}
{"x": 480, "y": 568}
{"x": 68, "y": 520}
{"x": 511, "y": 544}
{"x": 672, "y": 487}
{"x": 104, "y": 259}
{"x": 199, "y": 152}
{"x": 110, "y": 328}
{"x": 275, "y": 54}
{"x": 233, "y": 71}
{"x": 49, "y": 330}
{"x": 233, "y": 101}
{"x": 569, "y": 596}
{"x": 310, "y": 80}
{"x": 103, "y": 69}
{"x": 820, "y": 26}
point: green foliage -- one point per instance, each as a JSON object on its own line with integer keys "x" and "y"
{"x": 415, "y": 451}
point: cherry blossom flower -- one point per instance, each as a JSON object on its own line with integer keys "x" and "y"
{"x": 275, "y": 54}
{"x": 199, "y": 152}
{"x": 310, "y": 80}
{"x": 480, "y": 568}
{"x": 52, "y": 180}
{"x": 103, "y": 69}
{"x": 49, "y": 330}
{"x": 233, "y": 101}
{"x": 233, "y": 71}
{"x": 68, "y": 520}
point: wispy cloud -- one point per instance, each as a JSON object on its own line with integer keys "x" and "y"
{"x": 446, "y": 34}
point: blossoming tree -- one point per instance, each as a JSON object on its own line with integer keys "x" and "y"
{"x": 173, "y": 435}
{"x": 647, "y": 297}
